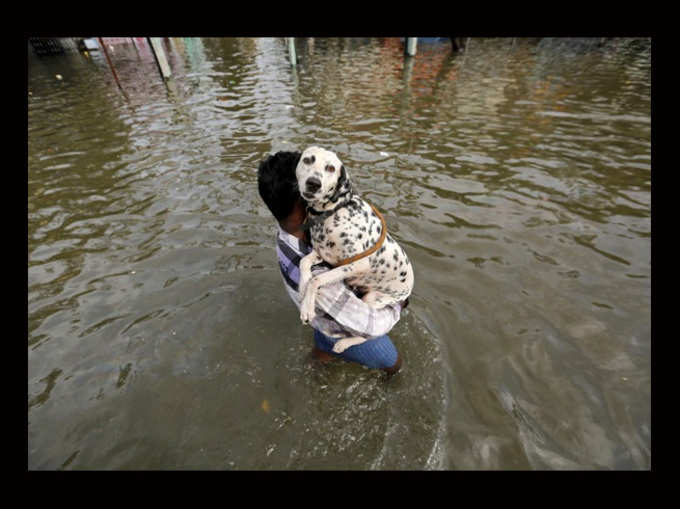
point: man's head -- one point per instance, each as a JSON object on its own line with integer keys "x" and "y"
{"x": 277, "y": 183}
{"x": 321, "y": 176}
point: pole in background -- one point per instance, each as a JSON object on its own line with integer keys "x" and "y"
{"x": 411, "y": 44}
{"x": 108, "y": 59}
{"x": 291, "y": 50}
{"x": 158, "y": 52}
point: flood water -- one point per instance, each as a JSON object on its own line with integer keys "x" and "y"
{"x": 516, "y": 175}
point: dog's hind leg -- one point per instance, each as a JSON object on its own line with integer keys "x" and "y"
{"x": 343, "y": 344}
{"x": 377, "y": 300}
{"x": 374, "y": 299}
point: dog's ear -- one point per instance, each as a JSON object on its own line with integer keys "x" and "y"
{"x": 344, "y": 183}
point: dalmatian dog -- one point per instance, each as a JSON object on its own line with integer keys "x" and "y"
{"x": 342, "y": 225}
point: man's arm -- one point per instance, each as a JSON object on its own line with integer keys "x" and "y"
{"x": 339, "y": 310}
{"x": 351, "y": 313}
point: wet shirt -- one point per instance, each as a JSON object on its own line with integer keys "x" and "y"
{"x": 339, "y": 312}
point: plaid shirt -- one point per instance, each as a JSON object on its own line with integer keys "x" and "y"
{"x": 339, "y": 312}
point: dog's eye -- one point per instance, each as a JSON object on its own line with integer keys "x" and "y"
{"x": 330, "y": 168}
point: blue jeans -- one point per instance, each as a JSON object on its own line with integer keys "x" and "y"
{"x": 375, "y": 353}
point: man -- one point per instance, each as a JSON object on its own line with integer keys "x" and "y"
{"x": 339, "y": 309}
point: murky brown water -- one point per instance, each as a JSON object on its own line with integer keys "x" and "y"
{"x": 516, "y": 175}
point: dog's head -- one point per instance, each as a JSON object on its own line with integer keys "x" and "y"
{"x": 322, "y": 178}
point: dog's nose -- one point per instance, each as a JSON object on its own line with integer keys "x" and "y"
{"x": 313, "y": 184}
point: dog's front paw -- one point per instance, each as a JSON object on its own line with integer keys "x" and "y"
{"x": 341, "y": 345}
{"x": 307, "y": 308}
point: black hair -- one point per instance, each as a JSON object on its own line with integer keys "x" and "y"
{"x": 277, "y": 183}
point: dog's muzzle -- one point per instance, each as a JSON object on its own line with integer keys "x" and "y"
{"x": 312, "y": 185}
